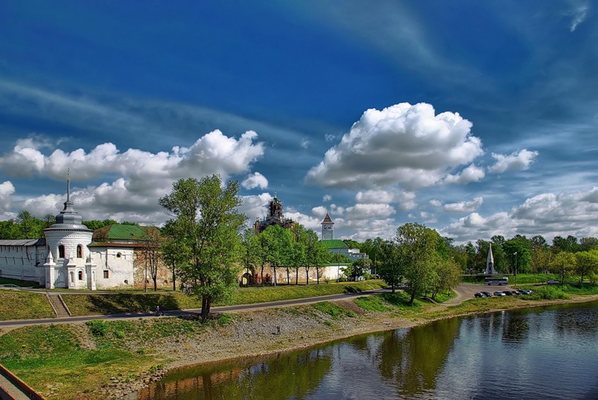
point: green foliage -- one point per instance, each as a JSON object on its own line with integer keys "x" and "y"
{"x": 97, "y": 328}
{"x": 563, "y": 264}
{"x": 546, "y": 293}
{"x": 207, "y": 223}
{"x": 225, "y": 319}
{"x": 587, "y": 264}
{"x": 25, "y": 226}
{"x": 372, "y": 304}
{"x": 334, "y": 310}
{"x": 519, "y": 253}
{"x": 97, "y": 224}
{"x": 358, "y": 269}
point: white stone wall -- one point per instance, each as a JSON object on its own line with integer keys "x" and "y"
{"x": 23, "y": 262}
{"x": 69, "y": 266}
{"x": 119, "y": 262}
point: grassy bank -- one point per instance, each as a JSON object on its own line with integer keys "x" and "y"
{"x": 106, "y": 359}
{"x": 23, "y": 305}
{"x": 89, "y": 304}
{"x": 18, "y": 282}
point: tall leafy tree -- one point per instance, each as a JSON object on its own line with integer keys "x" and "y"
{"x": 175, "y": 249}
{"x": 564, "y": 264}
{"x": 250, "y": 258}
{"x": 418, "y": 256}
{"x": 587, "y": 264}
{"x": 389, "y": 266}
{"x": 209, "y": 224}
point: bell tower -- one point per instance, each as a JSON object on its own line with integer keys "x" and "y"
{"x": 327, "y": 228}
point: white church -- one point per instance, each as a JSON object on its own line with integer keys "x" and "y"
{"x": 72, "y": 256}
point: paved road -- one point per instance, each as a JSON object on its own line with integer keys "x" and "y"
{"x": 236, "y": 308}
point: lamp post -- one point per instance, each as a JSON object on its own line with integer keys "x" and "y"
{"x": 515, "y": 275}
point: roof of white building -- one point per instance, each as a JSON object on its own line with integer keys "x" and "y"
{"x": 23, "y": 242}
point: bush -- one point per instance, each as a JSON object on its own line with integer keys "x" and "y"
{"x": 546, "y": 293}
{"x": 97, "y": 328}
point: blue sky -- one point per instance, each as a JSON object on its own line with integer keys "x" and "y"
{"x": 483, "y": 115}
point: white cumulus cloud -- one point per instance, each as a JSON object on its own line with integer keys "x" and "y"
{"x": 464, "y": 206}
{"x": 516, "y": 161}
{"x": 471, "y": 173}
{"x": 403, "y": 144}
{"x": 255, "y": 180}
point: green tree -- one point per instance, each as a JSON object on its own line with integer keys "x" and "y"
{"x": 564, "y": 264}
{"x": 418, "y": 257}
{"x": 373, "y": 248}
{"x": 587, "y": 264}
{"x": 250, "y": 257}
{"x": 316, "y": 254}
{"x": 206, "y": 212}
{"x": 447, "y": 275}
{"x": 175, "y": 249}
{"x": 588, "y": 243}
{"x": 277, "y": 247}
{"x": 357, "y": 269}
{"x": 518, "y": 251}
{"x": 565, "y": 244}
{"x": 389, "y": 267}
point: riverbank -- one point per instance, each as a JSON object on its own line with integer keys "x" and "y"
{"x": 104, "y": 359}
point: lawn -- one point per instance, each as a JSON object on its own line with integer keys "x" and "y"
{"x": 24, "y": 305}
{"x": 87, "y": 304}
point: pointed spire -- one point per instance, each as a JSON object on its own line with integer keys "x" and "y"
{"x": 68, "y": 185}
{"x": 327, "y": 219}
{"x": 490, "y": 262}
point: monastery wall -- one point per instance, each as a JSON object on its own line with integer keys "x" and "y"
{"x": 23, "y": 262}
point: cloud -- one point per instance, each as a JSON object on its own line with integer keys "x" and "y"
{"x": 254, "y": 206}
{"x": 464, "y": 206}
{"x": 578, "y": 14}
{"x": 305, "y": 143}
{"x": 513, "y": 162}
{"x": 547, "y": 214}
{"x": 212, "y": 153}
{"x": 403, "y": 144}
{"x": 471, "y": 173}
{"x": 319, "y": 211}
{"x": 327, "y": 198}
{"x": 374, "y": 196}
{"x": 255, "y": 180}
{"x": 7, "y": 189}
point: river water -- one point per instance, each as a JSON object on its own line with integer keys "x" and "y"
{"x": 547, "y": 353}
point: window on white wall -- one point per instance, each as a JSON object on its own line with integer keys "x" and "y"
{"x": 106, "y": 275}
{"x": 118, "y": 255}
{"x": 80, "y": 275}
{"x": 79, "y": 251}
{"x": 61, "y": 251}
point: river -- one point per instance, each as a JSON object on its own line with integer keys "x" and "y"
{"x": 548, "y": 353}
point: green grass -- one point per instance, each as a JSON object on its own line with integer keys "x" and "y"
{"x": 121, "y": 302}
{"x": 553, "y": 292}
{"x": 24, "y": 305}
{"x": 62, "y": 361}
{"x": 53, "y": 360}
{"x": 519, "y": 279}
{"x": 334, "y": 310}
{"x": 445, "y": 296}
{"x": 372, "y": 304}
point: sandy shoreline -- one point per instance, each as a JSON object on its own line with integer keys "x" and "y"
{"x": 255, "y": 334}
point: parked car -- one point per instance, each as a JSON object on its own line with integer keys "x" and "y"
{"x": 525, "y": 291}
{"x": 479, "y": 294}
{"x": 488, "y": 294}
{"x": 553, "y": 282}
{"x": 499, "y": 294}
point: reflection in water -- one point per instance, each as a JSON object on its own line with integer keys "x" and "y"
{"x": 538, "y": 353}
{"x": 412, "y": 358}
{"x": 290, "y": 375}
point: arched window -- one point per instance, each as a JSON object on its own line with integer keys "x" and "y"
{"x": 61, "y": 251}
{"x": 80, "y": 275}
{"x": 79, "y": 251}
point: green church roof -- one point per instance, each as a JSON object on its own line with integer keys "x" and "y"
{"x": 117, "y": 232}
{"x": 334, "y": 244}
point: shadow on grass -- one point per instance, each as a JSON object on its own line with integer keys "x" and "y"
{"x": 125, "y": 302}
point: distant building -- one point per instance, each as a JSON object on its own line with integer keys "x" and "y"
{"x": 336, "y": 246}
{"x": 72, "y": 256}
{"x": 275, "y": 217}
{"x": 327, "y": 228}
